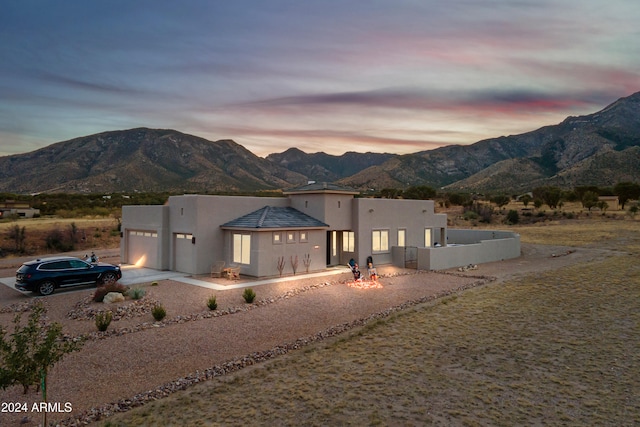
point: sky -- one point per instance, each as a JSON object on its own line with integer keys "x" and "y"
{"x": 396, "y": 76}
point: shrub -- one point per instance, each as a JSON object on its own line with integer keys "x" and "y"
{"x": 136, "y": 293}
{"x": 470, "y": 215}
{"x": 103, "y": 320}
{"x": 101, "y": 291}
{"x": 249, "y": 295}
{"x": 154, "y": 283}
{"x": 158, "y": 312}
{"x": 212, "y": 303}
{"x": 55, "y": 241}
{"x": 513, "y": 217}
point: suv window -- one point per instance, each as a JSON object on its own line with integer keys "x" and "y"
{"x": 76, "y": 263}
{"x": 55, "y": 265}
{"x": 23, "y": 268}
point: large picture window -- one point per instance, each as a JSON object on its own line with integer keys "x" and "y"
{"x": 348, "y": 241}
{"x": 242, "y": 248}
{"x": 380, "y": 241}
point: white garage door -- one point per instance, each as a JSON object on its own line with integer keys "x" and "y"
{"x": 143, "y": 248}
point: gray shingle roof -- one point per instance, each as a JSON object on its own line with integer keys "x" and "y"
{"x": 275, "y": 217}
{"x": 315, "y": 187}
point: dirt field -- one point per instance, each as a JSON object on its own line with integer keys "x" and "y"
{"x": 553, "y": 341}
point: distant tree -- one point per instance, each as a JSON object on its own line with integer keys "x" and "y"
{"x": 482, "y": 210}
{"x": 549, "y": 195}
{"x": 421, "y": 192}
{"x": 581, "y": 190}
{"x": 526, "y": 199}
{"x": 602, "y": 205}
{"x": 589, "y": 200}
{"x": 459, "y": 199}
{"x": 626, "y": 191}
{"x": 390, "y": 193}
{"x": 501, "y": 200}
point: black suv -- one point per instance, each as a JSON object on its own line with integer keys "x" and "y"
{"x": 46, "y": 274}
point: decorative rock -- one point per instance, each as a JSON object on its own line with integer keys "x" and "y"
{"x": 113, "y": 297}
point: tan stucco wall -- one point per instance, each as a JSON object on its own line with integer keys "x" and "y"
{"x": 266, "y": 253}
{"x": 477, "y": 247}
{"x": 203, "y": 215}
{"x": 333, "y": 209}
{"x": 390, "y": 214}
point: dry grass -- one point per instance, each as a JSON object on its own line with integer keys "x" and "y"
{"x": 586, "y": 232}
{"x": 554, "y": 348}
{"x": 91, "y": 233}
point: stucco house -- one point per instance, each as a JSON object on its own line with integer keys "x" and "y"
{"x": 318, "y": 224}
{"x": 20, "y": 209}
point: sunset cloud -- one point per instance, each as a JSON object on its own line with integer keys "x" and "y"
{"x": 328, "y": 76}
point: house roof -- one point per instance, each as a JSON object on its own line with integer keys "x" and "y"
{"x": 275, "y": 217}
{"x": 321, "y": 187}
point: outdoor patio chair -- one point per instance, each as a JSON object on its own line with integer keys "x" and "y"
{"x": 233, "y": 273}
{"x": 217, "y": 269}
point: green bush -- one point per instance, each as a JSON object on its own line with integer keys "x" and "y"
{"x": 249, "y": 295}
{"x": 470, "y": 215}
{"x": 103, "y": 320}
{"x": 158, "y": 312}
{"x": 101, "y": 291}
{"x": 212, "y": 303}
{"x": 513, "y": 217}
{"x": 137, "y": 293}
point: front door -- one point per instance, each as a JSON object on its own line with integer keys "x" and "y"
{"x": 333, "y": 247}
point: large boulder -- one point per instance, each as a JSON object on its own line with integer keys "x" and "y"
{"x": 113, "y": 297}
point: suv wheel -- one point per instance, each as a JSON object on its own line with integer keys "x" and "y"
{"x": 108, "y": 278}
{"x": 46, "y": 288}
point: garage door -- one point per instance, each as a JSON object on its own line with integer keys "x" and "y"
{"x": 143, "y": 248}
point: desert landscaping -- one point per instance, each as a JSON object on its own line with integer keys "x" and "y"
{"x": 549, "y": 338}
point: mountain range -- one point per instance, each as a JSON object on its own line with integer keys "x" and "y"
{"x": 597, "y": 149}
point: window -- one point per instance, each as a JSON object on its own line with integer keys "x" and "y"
{"x": 291, "y": 236}
{"x": 348, "y": 241}
{"x": 184, "y": 236}
{"x": 76, "y": 263}
{"x": 303, "y": 237}
{"x": 56, "y": 265}
{"x": 427, "y": 237}
{"x": 402, "y": 236}
{"x": 242, "y": 248}
{"x": 380, "y": 241}
{"x": 334, "y": 243}
{"x": 277, "y": 238}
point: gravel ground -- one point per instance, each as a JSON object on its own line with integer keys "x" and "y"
{"x": 139, "y": 359}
